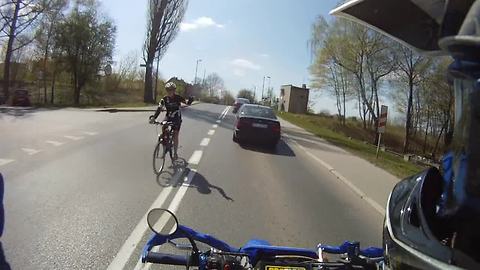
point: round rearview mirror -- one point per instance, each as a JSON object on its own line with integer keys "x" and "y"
{"x": 162, "y": 221}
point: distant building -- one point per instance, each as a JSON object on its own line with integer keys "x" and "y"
{"x": 293, "y": 99}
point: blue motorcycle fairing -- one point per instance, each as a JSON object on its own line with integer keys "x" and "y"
{"x": 255, "y": 248}
{"x": 185, "y": 232}
{"x": 352, "y": 248}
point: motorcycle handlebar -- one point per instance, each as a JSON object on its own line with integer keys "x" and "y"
{"x": 164, "y": 258}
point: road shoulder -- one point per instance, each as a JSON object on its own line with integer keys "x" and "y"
{"x": 365, "y": 179}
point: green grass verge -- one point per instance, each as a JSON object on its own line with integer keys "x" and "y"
{"x": 387, "y": 161}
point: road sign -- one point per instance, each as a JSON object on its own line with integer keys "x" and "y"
{"x": 108, "y": 70}
{"x": 382, "y": 120}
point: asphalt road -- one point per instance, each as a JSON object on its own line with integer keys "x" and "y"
{"x": 78, "y": 184}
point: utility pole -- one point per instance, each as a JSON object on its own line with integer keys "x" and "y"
{"x": 204, "y": 71}
{"x": 196, "y": 68}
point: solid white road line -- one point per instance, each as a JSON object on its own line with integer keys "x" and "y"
{"x": 55, "y": 143}
{"x": 211, "y": 132}
{"x": 204, "y": 141}
{"x": 223, "y": 113}
{"x": 73, "y": 138}
{"x": 342, "y": 178}
{"x": 195, "y": 158}
{"x": 90, "y": 133}
{"x": 5, "y": 161}
{"x": 136, "y": 236}
{"x": 173, "y": 207}
{"x": 215, "y": 126}
{"x": 226, "y": 111}
{"x": 31, "y": 151}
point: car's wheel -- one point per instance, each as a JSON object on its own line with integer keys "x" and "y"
{"x": 234, "y": 138}
{"x": 273, "y": 145}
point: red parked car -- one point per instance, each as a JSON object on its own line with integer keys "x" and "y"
{"x": 21, "y": 98}
{"x": 238, "y": 103}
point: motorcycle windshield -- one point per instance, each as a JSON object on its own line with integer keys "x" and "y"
{"x": 414, "y": 23}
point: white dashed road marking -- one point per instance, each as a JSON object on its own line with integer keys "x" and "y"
{"x": 31, "y": 151}
{"x": 211, "y": 132}
{"x": 90, "y": 133}
{"x": 173, "y": 207}
{"x": 218, "y": 121}
{"x": 73, "y": 138}
{"x": 135, "y": 237}
{"x": 195, "y": 158}
{"x": 215, "y": 126}
{"x": 55, "y": 143}
{"x": 5, "y": 161}
{"x": 205, "y": 142}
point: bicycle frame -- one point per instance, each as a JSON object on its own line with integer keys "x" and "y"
{"x": 167, "y": 133}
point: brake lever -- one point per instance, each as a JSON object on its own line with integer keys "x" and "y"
{"x": 180, "y": 246}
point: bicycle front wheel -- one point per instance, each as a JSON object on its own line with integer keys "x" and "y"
{"x": 158, "y": 158}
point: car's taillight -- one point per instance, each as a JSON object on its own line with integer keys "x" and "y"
{"x": 276, "y": 127}
{"x": 242, "y": 122}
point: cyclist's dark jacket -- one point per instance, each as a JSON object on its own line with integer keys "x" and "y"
{"x": 172, "y": 105}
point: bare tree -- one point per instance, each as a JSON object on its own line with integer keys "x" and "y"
{"x": 214, "y": 84}
{"x": 164, "y": 18}
{"x": 17, "y": 17}
{"x": 44, "y": 37}
{"x": 410, "y": 68}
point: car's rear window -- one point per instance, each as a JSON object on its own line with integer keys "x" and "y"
{"x": 242, "y": 100}
{"x": 258, "y": 112}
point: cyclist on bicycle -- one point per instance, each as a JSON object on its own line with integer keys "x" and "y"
{"x": 172, "y": 104}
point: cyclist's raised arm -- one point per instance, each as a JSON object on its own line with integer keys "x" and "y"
{"x": 187, "y": 102}
{"x": 161, "y": 104}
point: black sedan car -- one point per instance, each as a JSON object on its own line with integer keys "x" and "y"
{"x": 255, "y": 123}
{"x": 238, "y": 103}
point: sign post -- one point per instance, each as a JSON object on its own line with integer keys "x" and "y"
{"x": 382, "y": 122}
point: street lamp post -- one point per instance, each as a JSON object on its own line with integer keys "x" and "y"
{"x": 196, "y": 69}
{"x": 263, "y": 85}
{"x": 268, "y": 88}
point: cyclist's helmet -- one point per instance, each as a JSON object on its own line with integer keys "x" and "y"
{"x": 170, "y": 86}
{"x": 432, "y": 219}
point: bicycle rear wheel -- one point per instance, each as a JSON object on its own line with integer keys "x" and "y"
{"x": 159, "y": 158}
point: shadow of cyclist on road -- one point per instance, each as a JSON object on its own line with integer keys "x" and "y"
{"x": 174, "y": 173}
{"x": 204, "y": 187}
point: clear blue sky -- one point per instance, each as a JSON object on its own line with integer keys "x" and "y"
{"x": 240, "y": 40}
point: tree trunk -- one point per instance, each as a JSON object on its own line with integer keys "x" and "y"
{"x": 409, "y": 117}
{"x": 426, "y": 132}
{"x": 76, "y": 88}
{"x": 344, "y": 112}
{"x": 44, "y": 77}
{"x": 8, "y": 55}
{"x": 148, "y": 91}
{"x": 434, "y": 152}
{"x": 52, "y": 93}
